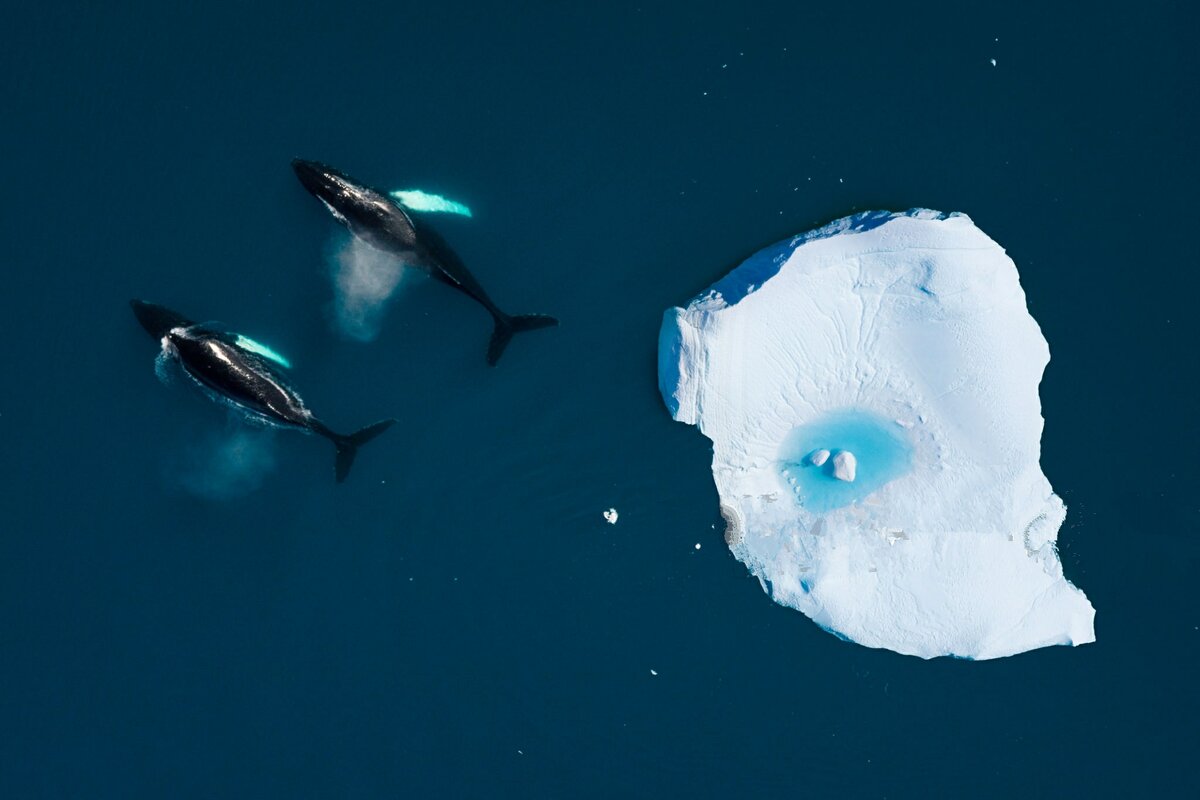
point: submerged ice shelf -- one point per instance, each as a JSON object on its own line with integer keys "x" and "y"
{"x": 871, "y": 392}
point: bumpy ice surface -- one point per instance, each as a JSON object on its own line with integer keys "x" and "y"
{"x": 903, "y": 339}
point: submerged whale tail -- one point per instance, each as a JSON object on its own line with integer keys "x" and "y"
{"x": 506, "y": 326}
{"x": 347, "y": 446}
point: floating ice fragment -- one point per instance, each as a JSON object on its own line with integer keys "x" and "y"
{"x": 818, "y": 457}
{"x": 610, "y": 516}
{"x": 845, "y": 466}
{"x": 652, "y": 672}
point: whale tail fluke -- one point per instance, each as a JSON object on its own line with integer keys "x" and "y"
{"x": 506, "y": 326}
{"x": 347, "y": 446}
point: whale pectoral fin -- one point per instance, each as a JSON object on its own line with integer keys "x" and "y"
{"x": 417, "y": 200}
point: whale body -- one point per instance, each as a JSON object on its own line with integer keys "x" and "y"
{"x": 236, "y": 370}
{"x": 377, "y": 219}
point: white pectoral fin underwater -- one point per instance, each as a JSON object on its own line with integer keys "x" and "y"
{"x": 246, "y": 343}
{"x": 417, "y": 200}
{"x": 239, "y": 372}
{"x": 381, "y": 220}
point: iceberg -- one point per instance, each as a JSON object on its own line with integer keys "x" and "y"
{"x": 871, "y": 392}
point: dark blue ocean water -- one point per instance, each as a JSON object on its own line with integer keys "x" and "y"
{"x": 457, "y": 619}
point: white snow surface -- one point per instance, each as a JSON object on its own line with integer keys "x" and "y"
{"x": 919, "y": 318}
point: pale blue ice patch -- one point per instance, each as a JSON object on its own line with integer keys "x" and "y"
{"x": 246, "y": 343}
{"x": 418, "y": 200}
{"x": 881, "y": 447}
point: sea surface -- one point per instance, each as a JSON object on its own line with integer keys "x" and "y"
{"x": 190, "y": 608}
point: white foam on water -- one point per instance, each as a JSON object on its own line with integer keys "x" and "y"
{"x": 364, "y": 280}
{"x": 228, "y": 464}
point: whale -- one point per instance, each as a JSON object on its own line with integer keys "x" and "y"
{"x": 380, "y": 221}
{"x": 237, "y": 371}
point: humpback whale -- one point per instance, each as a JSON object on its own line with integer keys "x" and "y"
{"x": 239, "y": 371}
{"x": 375, "y": 218}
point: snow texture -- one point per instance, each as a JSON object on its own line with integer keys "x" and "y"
{"x": 906, "y": 338}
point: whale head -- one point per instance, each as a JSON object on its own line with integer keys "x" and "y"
{"x": 356, "y": 206}
{"x": 157, "y": 320}
{"x": 323, "y": 181}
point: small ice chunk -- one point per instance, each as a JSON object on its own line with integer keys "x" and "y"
{"x": 610, "y": 516}
{"x": 993, "y": 62}
{"x": 653, "y": 672}
{"x": 818, "y": 457}
{"x": 697, "y": 545}
{"x": 845, "y": 466}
